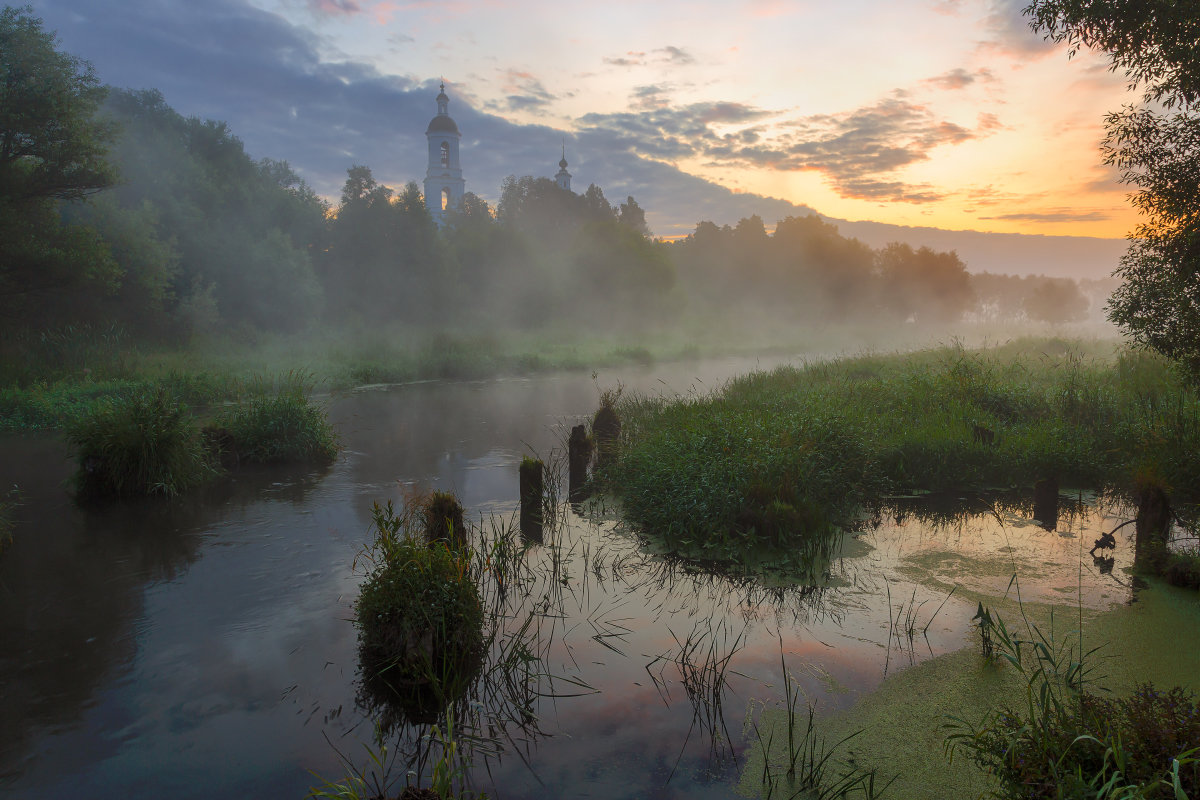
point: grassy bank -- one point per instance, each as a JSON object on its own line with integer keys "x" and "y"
{"x": 49, "y": 377}
{"x": 902, "y": 727}
{"x": 773, "y": 457}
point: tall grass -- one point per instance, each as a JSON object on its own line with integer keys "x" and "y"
{"x": 779, "y": 457}
{"x": 147, "y": 443}
{"x": 275, "y": 420}
{"x": 1064, "y": 741}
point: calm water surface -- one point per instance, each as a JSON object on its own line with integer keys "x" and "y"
{"x": 202, "y": 647}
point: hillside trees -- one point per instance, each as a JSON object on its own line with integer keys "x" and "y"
{"x": 52, "y": 150}
{"x": 1156, "y": 147}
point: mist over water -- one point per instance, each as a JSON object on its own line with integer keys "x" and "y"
{"x": 203, "y": 646}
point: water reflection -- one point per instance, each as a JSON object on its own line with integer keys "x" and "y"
{"x": 146, "y": 649}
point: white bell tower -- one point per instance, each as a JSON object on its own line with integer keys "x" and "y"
{"x": 444, "y": 184}
{"x": 563, "y": 178}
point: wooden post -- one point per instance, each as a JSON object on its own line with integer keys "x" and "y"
{"x": 444, "y": 520}
{"x": 579, "y": 457}
{"x": 531, "y": 499}
{"x": 1153, "y": 525}
{"x": 1045, "y": 503}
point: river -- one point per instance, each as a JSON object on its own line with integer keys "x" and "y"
{"x": 203, "y": 646}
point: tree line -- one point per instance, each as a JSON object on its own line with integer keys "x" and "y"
{"x": 116, "y": 209}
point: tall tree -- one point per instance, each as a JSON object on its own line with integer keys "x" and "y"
{"x": 1156, "y": 147}
{"x": 52, "y": 149}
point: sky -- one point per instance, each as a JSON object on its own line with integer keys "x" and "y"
{"x": 945, "y": 114}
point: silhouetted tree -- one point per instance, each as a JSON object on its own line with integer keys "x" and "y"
{"x": 1155, "y": 44}
{"x": 53, "y": 149}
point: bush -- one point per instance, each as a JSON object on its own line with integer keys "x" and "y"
{"x": 144, "y": 444}
{"x": 419, "y": 617}
{"x": 277, "y": 422}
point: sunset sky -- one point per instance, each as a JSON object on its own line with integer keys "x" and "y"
{"x": 942, "y": 113}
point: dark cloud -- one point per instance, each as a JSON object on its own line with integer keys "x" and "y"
{"x": 858, "y": 151}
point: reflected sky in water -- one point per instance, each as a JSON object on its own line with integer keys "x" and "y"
{"x": 202, "y": 647}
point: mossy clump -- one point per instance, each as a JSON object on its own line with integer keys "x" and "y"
{"x": 444, "y": 520}
{"x": 276, "y": 422}
{"x": 419, "y": 618}
{"x": 147, "y": 443}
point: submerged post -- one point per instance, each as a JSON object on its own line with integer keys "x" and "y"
{"x": 606, "y": 429}
{"x": 579, "y": 457}
{"x": 1045, "y": 503}
{"x": 531, "y": 498}
{"x": 444, "y": 520}
{"x": 1153, "y": 525}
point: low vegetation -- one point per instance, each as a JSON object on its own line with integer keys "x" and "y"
{"x": 1063, "y": 740}
{"x": 148, "y": 442}
{"x": 776, "y": 458}
{"x": 276, "y": 421}
{"x": 419, "y": 613}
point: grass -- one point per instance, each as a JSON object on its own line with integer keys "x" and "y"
{"x": 147, "y": 443}
{"x": 777, "y": 459}
{"x": 275, "y": 421}
{"x": 1064, "y": 741}
{"x": 419, "y": 615}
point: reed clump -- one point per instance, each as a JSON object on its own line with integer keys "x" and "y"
{"x": 275, "y": 421}
{"x": 419, "y": 615}
{"x": 146, "y": 443}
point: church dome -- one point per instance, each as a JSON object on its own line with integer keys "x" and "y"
{"x": 442, "y": 123}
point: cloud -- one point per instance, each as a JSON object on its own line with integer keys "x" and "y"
{"x": 959, "y": 79}
{"x": 1009, "y": 33}
{"x": 675, "y": 56}
{"x": 859, "y": 151}
{"x": 335, "y": 7}
{"x": 1061, "y": 215}
{"x": 632, "y": 58}
{"x": 525, "y": 91}
{"x": 649, "y": 97}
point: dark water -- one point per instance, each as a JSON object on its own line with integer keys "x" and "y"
{"x": 202, "y": 647}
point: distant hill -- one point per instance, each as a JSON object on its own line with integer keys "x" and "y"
{"x": 1004, "y": 253}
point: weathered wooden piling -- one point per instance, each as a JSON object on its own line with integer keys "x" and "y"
{"x": 532, "y": 498}
{"x": 606, "y": 431}
{"x": 1153, "y": 527}
{"x": 444, "y": 520}
{"x": 579, "y": 458}
{"x": 1045, "y": 503}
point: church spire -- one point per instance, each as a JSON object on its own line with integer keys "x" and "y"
{"x": 563, "y": 178}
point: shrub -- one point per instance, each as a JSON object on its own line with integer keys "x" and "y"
{"x": 419, "y": 617}
{"x": 143, "y": 444}
{"x": 277, "y": 422}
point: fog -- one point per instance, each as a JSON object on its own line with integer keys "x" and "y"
{"x": 203, "y": 244}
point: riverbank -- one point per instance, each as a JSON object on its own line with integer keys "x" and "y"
{"x": 46, "y": 380}
{"x": 900, "y": 729}
{"x": 775, "y": 459}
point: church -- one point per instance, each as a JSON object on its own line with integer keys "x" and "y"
{"x": 444, "y": 183}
